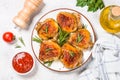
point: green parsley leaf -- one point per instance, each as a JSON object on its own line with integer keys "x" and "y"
{"x": 93, "y": 5}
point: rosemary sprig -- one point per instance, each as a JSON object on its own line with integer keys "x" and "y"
{"x": 71, "y": 53}
{"x": 37, "y": 39}
{"x": 63, "y": 36}
{"x": 21, "y": 40}
{"x": 79, "y": 38}
{"x": 17, "y": 46}
{"x": 46, "y": 29}
{"x": 49, "y": 63}
{"x": 48, "y": 49}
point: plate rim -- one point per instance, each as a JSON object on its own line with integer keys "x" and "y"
{"x": 57, "y": 10}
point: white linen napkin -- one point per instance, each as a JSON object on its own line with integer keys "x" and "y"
{"x": 105, "y": 64}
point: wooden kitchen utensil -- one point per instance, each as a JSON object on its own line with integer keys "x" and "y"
{"x": 24, "y": 16}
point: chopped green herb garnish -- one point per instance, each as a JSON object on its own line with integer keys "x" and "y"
{"x": 49, "y": 63}
{"x": 21, "y": 40}
{"x": 71, "y": 53}
{"x": 37, "y": 39}
{"x": 79, "y": 38}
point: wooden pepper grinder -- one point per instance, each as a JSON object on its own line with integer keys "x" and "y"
{"x": 24, "y": 16}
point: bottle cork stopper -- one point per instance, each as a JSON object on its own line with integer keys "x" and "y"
{"x": 24, "y": 16}
{"x": 115, "y": 11}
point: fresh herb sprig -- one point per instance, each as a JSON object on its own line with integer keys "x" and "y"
{"x": 93, "y": 5}
{"x": 72, "y": 54}
{"x": 63, "y": 36}
{"x": 17, "y": 46}
{"x": 21, "y": 40}
{"x": 49, "y": 63}
{"x": 48, "y": 49}
{"x": 46, "y": 29}
{"x": 36, "y": 39}
{"x": 79, "y": 38}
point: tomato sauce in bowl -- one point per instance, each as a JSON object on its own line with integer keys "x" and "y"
{"x": 22, "y": 62}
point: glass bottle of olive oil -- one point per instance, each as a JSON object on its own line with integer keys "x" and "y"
{"x": 110, "y": 19}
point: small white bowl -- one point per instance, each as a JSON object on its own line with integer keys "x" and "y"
{"x": 20, "y": 58}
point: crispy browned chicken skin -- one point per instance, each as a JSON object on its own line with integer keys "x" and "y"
{"x": 81, "y": 39}
{"x": 49, "y": 51}
{"x": 47, "y": 29}
{"x": 69, "y": 22}
{"x": 71, "y": 57}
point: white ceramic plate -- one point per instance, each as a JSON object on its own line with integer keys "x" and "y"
{"x": 57, "y": 65}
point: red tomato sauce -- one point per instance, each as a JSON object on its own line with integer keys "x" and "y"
{"x": 22, "y": 62}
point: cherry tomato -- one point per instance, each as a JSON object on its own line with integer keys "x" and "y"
{"x": 8, "y": 37}
{"x": 22, "y": 62}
